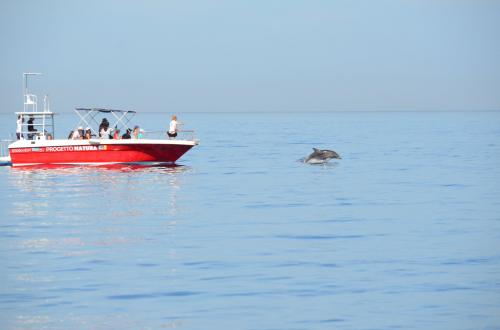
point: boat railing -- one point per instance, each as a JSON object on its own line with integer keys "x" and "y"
{"x": 188, "y": 135}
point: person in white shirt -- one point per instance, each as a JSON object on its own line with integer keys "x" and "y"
{"x": 77, "y": 134}
{"x": 105, "y": 132}
{"x": 19, "y": 128}
{"x": 172, "y": 131}
{"x": 104, "y": 129}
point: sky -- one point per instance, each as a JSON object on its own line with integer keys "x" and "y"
{"x": 254, "y": 55}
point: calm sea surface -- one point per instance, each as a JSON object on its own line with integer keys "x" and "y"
{"x": 402, "y": 233}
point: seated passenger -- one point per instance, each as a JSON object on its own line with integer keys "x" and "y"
{"x": 77, "y": 134}
{"x": 135, "y": 133}
{"x": 88, "y": 134}
{"x": 127, "y": 134}
{"x": 117, "y": 135}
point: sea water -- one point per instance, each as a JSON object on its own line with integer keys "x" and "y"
{"x": 403, "y": 232}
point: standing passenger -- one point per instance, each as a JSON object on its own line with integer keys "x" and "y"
{"x": 31, "y": 129}
{"x": 19, "y": 129}
{"x": 103, "y": 125}
{"x": 172, "y": 131}
{"x": 105, "y": 132}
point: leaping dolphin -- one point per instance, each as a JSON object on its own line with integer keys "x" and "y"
{"x": 321, "y": 156}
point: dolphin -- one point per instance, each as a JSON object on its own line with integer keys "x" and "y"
{"x": 321, "y": 156}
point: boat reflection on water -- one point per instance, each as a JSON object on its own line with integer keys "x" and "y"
{"x": 68, "y": 168}
{"x": 126, "y": 190}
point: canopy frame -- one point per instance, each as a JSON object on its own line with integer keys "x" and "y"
{"x": 90, "y": 118}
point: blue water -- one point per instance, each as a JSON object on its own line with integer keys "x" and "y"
{"x": 402, "y": 233}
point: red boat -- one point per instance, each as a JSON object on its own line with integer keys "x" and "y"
{"x": 36, "y": 146}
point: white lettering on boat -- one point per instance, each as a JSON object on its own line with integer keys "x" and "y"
{"x": 20, "y": 150}
{"x": 85, "y": 148}
{"x": 58, "y": 149}
{"x": 71, "y": 148}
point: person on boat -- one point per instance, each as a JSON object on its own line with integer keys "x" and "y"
{"x": 104, "y": 129}
{"x": 172, "y": 131}
{"x": 135, "y": 133}
{"x": 105, "y": 132}
{"x": 141, "y": 134}
{"x": 104, "y": 124}
{"x": 77, "y": 134}
{"x": 31, "y": 129}
{"x": 19, "y": 128}
{"x": 49, "y": 136}
{"x": 117, "y": 135}
{"x": 126, "y": 135}
{"x": 88, "y": 134}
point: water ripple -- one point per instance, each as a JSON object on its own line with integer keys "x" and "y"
{"x": 153, "y": 295}
{"x": 319, "y": 237}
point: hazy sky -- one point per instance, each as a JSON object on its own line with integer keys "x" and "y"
{"x": 253, "y": 55}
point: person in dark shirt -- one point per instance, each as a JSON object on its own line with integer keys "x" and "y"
{"x": 126, "y": 135}
{"x": 32, "y": 131}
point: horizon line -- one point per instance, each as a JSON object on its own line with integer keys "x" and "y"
{"x": 286, "y": 111}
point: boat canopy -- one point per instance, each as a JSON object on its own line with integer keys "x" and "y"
{"x": 104, "y": 110}
{"x": 91, "y": 117}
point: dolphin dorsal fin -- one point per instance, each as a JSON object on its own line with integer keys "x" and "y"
{"x": 315, "y": 150}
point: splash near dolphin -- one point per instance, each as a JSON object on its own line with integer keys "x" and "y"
{"x": 321, "y": 156}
